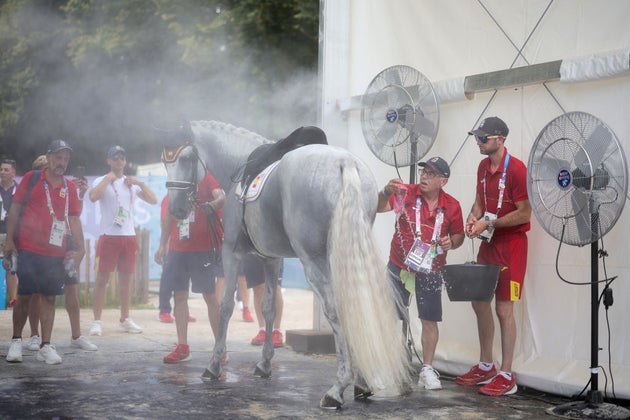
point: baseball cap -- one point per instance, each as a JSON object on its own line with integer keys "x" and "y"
{"x": 439, "y": 165}
{"x": 58, "y": 145}
{"x": 491, "y": 126}
{"x": 115, "y": 150}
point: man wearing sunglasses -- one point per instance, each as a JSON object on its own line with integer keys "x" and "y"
{"x": 117, "y": 245}
{"x": 500, "y": 218}
{"x": 428, "y": 224}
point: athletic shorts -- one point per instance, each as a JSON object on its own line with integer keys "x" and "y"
{"x": 217, "y": 268}
{"x": 252, "y": 267}
{"x": 116, "y": 251}
{"x": 181, "y": 268}
{"x": 428, "y": 293}
{"x": 510, "y": 252}
{"x": 40, "y": 274}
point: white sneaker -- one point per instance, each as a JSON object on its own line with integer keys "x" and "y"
{"x": 14, "y": 355}
{"x": 83, "y": 344}
{"x": 430, "y": 378}
{"x": 96, "y": 329}
{"x": 33, "y": 343}
{"x": 129, "y": 326}
{"x": 48, "y": 354}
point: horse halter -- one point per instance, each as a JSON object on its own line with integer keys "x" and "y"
{"x": 170, "y": 154}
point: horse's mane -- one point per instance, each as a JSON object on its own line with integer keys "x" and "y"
{"x": 232, "y": 130}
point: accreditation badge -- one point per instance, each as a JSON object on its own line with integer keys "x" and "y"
{"x": 417, "y": 254}
{"x": 57, "y": 232}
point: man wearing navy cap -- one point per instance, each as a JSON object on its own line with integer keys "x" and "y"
{"x": 37, "y": 226}
{"x": 428, "y": 224}
{"x": 117, "y": 246}
{"x": 500, "y": 217}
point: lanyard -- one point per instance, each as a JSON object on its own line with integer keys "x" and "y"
{"x": 501, "y": 185}
{"x": 49, "y": 200}
{"x": 118, "y": 197}
{"x": 439, "y": 219}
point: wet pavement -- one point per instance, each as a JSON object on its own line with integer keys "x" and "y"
{"x": 126, "y": 378}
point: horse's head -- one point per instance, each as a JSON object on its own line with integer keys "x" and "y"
{"x": 184, "y": 170}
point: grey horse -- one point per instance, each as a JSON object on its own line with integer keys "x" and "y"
{"x": 318, "y": 204}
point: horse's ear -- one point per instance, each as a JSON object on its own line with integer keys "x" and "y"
{"x": 185, "y": 131}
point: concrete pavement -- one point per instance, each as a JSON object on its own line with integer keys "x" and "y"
{"x": 126, "y": 377}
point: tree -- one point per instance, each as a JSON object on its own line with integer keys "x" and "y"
{"x": 101, "y": 73}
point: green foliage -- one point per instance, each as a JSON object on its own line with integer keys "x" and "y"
{"x": 103, "y": 72}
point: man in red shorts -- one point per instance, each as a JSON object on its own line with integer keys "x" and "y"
{"x": 500, "y": 218}
{"x": 117, "y": 246}
{"x": 189, "y": 252}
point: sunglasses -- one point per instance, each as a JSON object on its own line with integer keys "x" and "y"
{"x": 484, "y": 139}
{"x": 428, "y": 174}
{"x": 118, "y": 157}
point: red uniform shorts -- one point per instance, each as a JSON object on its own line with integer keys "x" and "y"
{"x": 116, "y": 251}
{"x": 509, "y": 252}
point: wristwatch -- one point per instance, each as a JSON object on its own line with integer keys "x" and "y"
{"x": 490, "y": 225}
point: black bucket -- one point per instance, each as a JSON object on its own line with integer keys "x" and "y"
{"x": 470, "y": 281}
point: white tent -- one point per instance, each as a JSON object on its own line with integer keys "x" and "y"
{"x": 448, "y": 40}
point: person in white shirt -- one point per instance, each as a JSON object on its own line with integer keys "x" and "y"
{"x": 117, "y": 246}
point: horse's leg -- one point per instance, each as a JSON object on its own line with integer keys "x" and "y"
{"x": 333, "y": 399}
{"x": 230, "y": 270}
{"x": 272, "y": 272}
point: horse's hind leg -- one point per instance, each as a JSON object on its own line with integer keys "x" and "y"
{"x": 333, "y": 399}
{"x": 230, "y": 266}
{"x": 272, "y": 272}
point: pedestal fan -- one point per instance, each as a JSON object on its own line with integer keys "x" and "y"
{"x": 578, "y": 181}
{"x": 400, "y": 117}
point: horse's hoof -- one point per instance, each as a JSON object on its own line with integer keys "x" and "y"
{"x": 208, "y": 376}
{"x": 330, "y": 403}
{"x": 361, "y": 393}
{"x": 263, "y": 373}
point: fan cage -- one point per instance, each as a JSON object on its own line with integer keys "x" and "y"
{"x": 577, "y": 178}
{"x": 400, "y": 116}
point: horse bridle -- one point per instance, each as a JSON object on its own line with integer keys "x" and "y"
{"x": 170, "y": 155}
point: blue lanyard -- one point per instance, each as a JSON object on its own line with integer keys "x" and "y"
{"x": 501, "y": 185}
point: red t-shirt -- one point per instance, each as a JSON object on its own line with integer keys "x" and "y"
{"x": 200, "y": 234}
{"x": 36, "y": 223}
{"x": 405, "y": 226}
{"x": 515, "y": 190}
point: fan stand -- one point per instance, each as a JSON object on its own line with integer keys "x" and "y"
{"x": 412, "y": 180}
{"x": 593, "y": 407}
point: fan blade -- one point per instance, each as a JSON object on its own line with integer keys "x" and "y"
{"x": 594, "y": 149}
{"x": 386, "y": 131}
{"x": 423, "y": 126}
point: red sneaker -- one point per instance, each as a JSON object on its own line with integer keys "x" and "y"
{"x": 192, "y": 318}
{"x": 247, "y": 315}
{"x": 500, "y": 385}
{"x": 180, "y": 354}
{"x": 166, "y": 318}
{"x": 12, "y": 303}
{"x": 259, "y": 339}
{"x": 476, "y": 376}
{"x": 276, "y": 338}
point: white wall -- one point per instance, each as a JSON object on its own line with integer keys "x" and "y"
{"x": 447, "y": 39}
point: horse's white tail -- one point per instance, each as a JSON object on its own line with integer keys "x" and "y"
{"x": 363, "y": 295}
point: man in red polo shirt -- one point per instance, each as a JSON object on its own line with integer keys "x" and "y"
{"x": 428, "y": 224}
{"x": 40, "y": 240}
{"x": 190, "y": 251}
{"x": 500, "y": 217}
